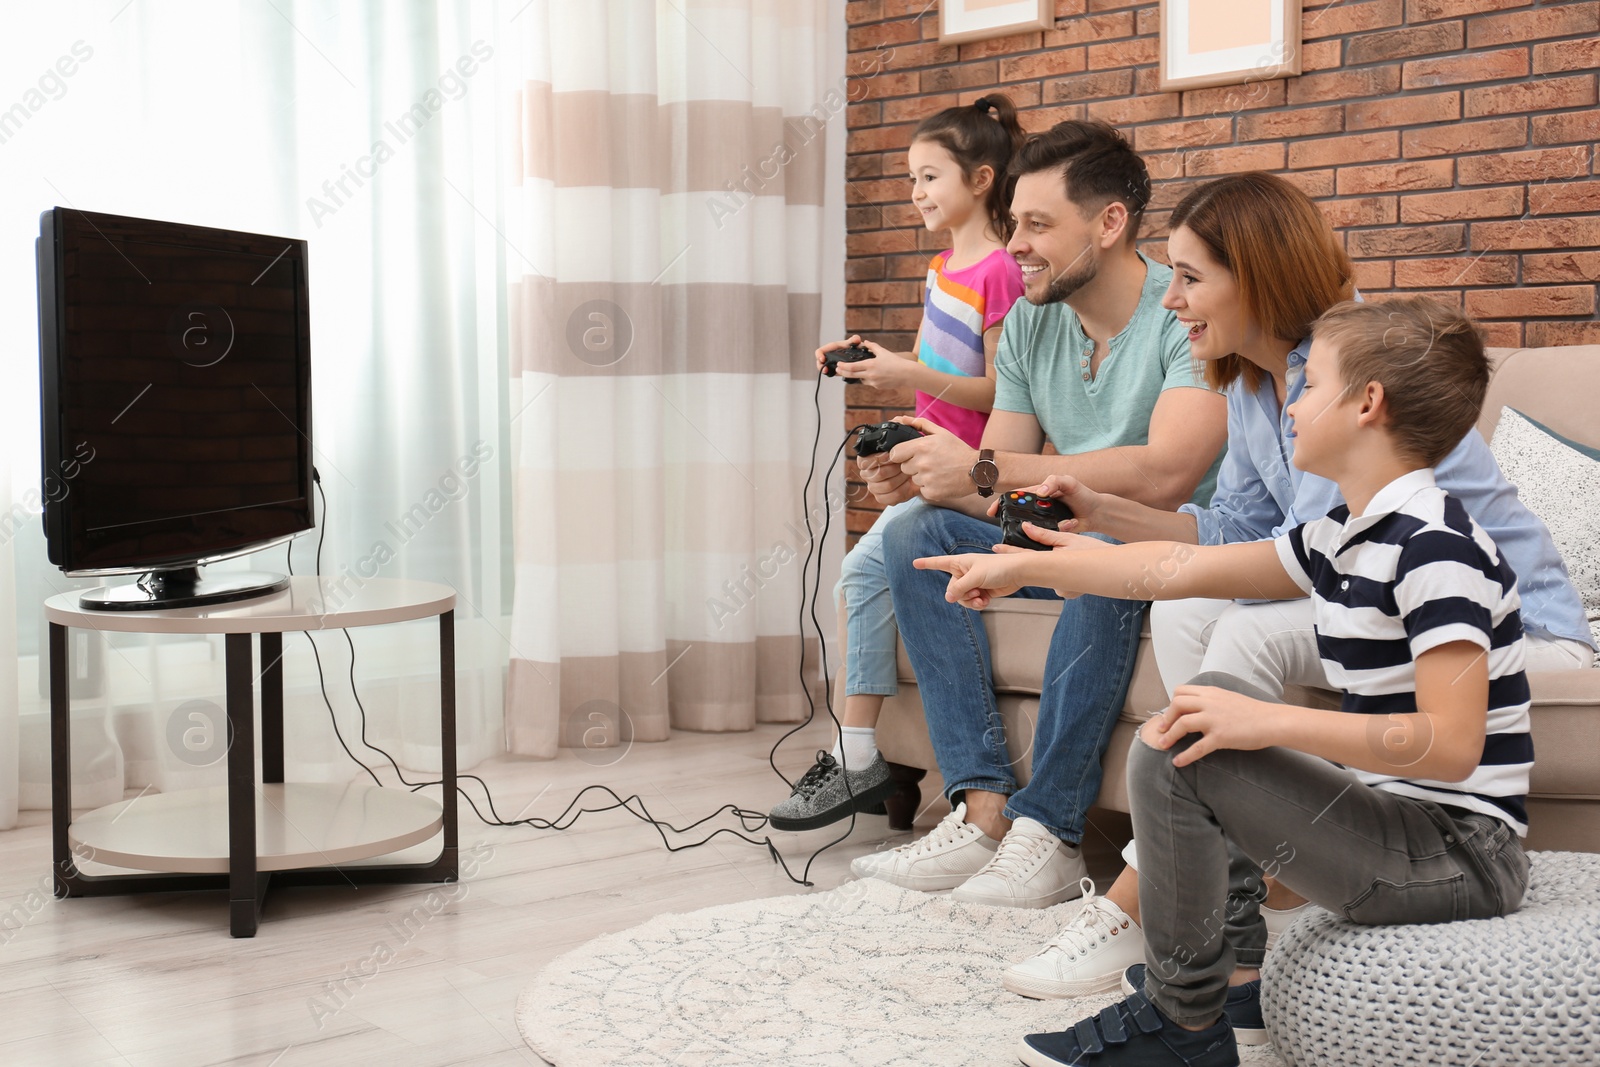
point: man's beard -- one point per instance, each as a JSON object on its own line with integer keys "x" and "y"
{"x": 1064, "y": 285}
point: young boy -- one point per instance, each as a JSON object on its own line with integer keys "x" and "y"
{"x": 1406, "y": 805}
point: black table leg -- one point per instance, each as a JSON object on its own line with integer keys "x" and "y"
{"x": 245, "y": 891}
{"x": 60, "y": 760}
{"x": 449, "y": 857}
{"x": 272, "y": 707}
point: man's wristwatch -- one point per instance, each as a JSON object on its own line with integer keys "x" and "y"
{"x": 984, "y": 473}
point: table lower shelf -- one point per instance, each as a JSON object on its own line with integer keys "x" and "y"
{"x": 298, "y": 825}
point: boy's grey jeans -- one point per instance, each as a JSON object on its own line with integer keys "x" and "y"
{"x": 1209, "y": 831}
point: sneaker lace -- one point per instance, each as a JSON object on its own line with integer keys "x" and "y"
{"x": 1015, "y": 853}
{"x": 1089, "y": 927}
{"x": 948, "y": 830}
{"x": 819, "y": 774}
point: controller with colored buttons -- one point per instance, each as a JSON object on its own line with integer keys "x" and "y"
{"x": 872, "y": 440}
{"x": 847, "y": 354}
{"x": 1019, "y": 507}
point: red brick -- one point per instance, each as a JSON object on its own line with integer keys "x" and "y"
{"x": 1466, "y": 137}
{"x": 1563, "y": 129}
{"x": 916, "y": 108}
{"x": 904, "y": 57}
{"x": 1136, "y": 109}
{"x": 1475, "y": 67}
{"x": 1564, "y": 198}
{"x": 1167, "y": 194}
{"x": 1537, "y": 234}
{"x": 870, "y": 269}
{"x": 1449, "y": 272}
{"x": 1345, "y": 84}
{"x": 878, "y": 242}
{"x": 1402, "y": 44}
{"x": 867, "y": 397}
{"x": 1286, "y": 125}
{"x": 1546, "y": 94}
{"x": 1372, "y": 274}
{"x": 1164, "y": 166}
{"x": 1156, "y": 250}
{"x": 1561, "y": 164}
{"x": 1136, "y": 52}
{"x": 1231, "y": 99}
{"x": 1582, "y": 54}
{"x": 1091, "y": 28}
{"x": 1321, "y": 55}
{"x": 1427, "y": 10}
{"x": 1356, "y": 148}
{"x": 1024, "y": 95}
{"x": 1338, "y": 19}
{"x": 893, "y": 9}
{"x": 963, "y": 76}
{"x": 1065, "y": 9}
{"x": 1042, "y": 65}
{"x": 1234, "y": 160}
{"x": 900, "y": 83}
{"x": 1531, "y": 302}
{"x": 1501, "y": 334}
{"x": 1187, "y": 134}
{"x": 905, "y": 320}
{"x": 1314, "y": 183}
{"x": 1561, "y": 267}
{"x": 868, "y": 38}
{"x": 877, "y": 191}
{"x": 1042, "y": 118}
{"x": 1392, "y": 177}
{"x": 1548, "y": 334}
{"x": 1583, "y": 17}
{"x": 1448, "y": 297}
{"x": 1090, "y": 86}
{"x": 913, "y": 266}
{"x": 1403, "y": 111}
{"x": 859, "y": 319}
{"x": 1155, "y": 224}
{"x": 1149, "y": 20}
{"x": 1406, "y": 241}
{"x": 1365, "y": 211}
{"x": 1001, "y": 46}
{"x": 863, "y": 11}
{"x": 881, "y": 293}
{"x": 1451, "y": 207}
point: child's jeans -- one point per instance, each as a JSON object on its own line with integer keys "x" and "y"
{"x": 870, "y": 632}
{"x": 1207, "y": 832}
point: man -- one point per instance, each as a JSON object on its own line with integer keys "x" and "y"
{"x": 1092, "y": 363}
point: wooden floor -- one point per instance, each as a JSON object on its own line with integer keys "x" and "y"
{"x": 410, "y": 975}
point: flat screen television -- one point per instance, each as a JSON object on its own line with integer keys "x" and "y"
{"x": 175, "y": 404}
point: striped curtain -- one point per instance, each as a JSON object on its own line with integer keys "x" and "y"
{"x": 665, "y": 227}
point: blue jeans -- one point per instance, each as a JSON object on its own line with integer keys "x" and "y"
{"x": 1086, "y": 676}
{"x": 869, "y": 661}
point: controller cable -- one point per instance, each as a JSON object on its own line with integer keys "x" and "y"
{"x": 750, "y": 821}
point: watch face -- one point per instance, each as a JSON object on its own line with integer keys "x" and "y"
{"x": 985, "y": 473}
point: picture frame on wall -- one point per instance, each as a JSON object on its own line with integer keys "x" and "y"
{"x": 1228, "y": 42}
{"x": 974, "y": 20}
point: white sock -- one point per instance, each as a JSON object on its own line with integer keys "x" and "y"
{"x": 856, "y": 747}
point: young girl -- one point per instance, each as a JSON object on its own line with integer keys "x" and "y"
{"x": 958, "y": 162}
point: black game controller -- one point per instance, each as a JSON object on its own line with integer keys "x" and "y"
{"x": 847, "y": 354}
{"x": 872, "y": 440}
{"x": 1019, "y": 507}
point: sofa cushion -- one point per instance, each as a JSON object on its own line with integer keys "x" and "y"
{"x": 1559, "y": 480}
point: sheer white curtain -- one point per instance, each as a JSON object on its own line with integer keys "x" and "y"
{"x": 372, "y": 130}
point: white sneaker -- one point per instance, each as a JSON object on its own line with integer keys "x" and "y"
{"x": 1278, "y": 921}
{"x": 943, "y": 858}
{"x": 1086, "y": 957}
{"x": 1032, "y": 868}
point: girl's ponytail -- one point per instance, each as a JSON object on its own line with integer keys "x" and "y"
{"x": 984, "y": 133}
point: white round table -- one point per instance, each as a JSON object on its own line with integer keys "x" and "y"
{"x": 300, "y": 833}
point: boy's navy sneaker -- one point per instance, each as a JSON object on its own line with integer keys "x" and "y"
{"x": 1132, "y": 1034}
{"x": 1243, "y": 1008}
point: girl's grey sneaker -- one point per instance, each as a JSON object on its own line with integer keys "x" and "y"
{"x": 820, "y": 796}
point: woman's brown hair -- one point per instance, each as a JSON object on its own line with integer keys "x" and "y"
{"x": 1280, "y": 249}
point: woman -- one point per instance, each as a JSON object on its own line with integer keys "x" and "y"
{"x": 1254, "y": 263}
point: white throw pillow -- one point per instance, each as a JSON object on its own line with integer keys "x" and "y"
{"x": 1559, "y": 480}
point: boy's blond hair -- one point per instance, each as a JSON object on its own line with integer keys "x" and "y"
{"x": 1428, "y": 357}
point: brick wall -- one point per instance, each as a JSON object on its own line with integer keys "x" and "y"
{"x": 1453, "y": 143}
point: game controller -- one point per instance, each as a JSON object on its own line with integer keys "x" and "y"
{"x": 871, "y": 440}
{"x": 847, "y": 354}
{"x": 1019, "y": 507}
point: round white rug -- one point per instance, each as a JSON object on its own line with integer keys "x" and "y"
{"x": 866, "y": 975}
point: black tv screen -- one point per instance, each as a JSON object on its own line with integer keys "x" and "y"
{"x": 175, "y": 392}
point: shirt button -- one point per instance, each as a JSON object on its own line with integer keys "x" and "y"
{"x": 1344, "y": 585}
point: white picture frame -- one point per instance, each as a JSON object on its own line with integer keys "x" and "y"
{"x": 976, "y": 20}
{"x": 1228, "y": 42}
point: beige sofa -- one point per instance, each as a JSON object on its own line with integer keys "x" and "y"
{"x": 1559, "y": 387}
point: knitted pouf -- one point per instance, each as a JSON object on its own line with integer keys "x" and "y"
{"x": 1524, "y": 989}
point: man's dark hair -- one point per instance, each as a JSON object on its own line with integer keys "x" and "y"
{"x": 1097, "y": 162}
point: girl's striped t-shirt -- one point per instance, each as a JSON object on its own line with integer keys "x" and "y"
{"x": 958, "y": 307}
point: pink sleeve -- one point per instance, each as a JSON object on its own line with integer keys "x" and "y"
{"x": 1000, "y": 287}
